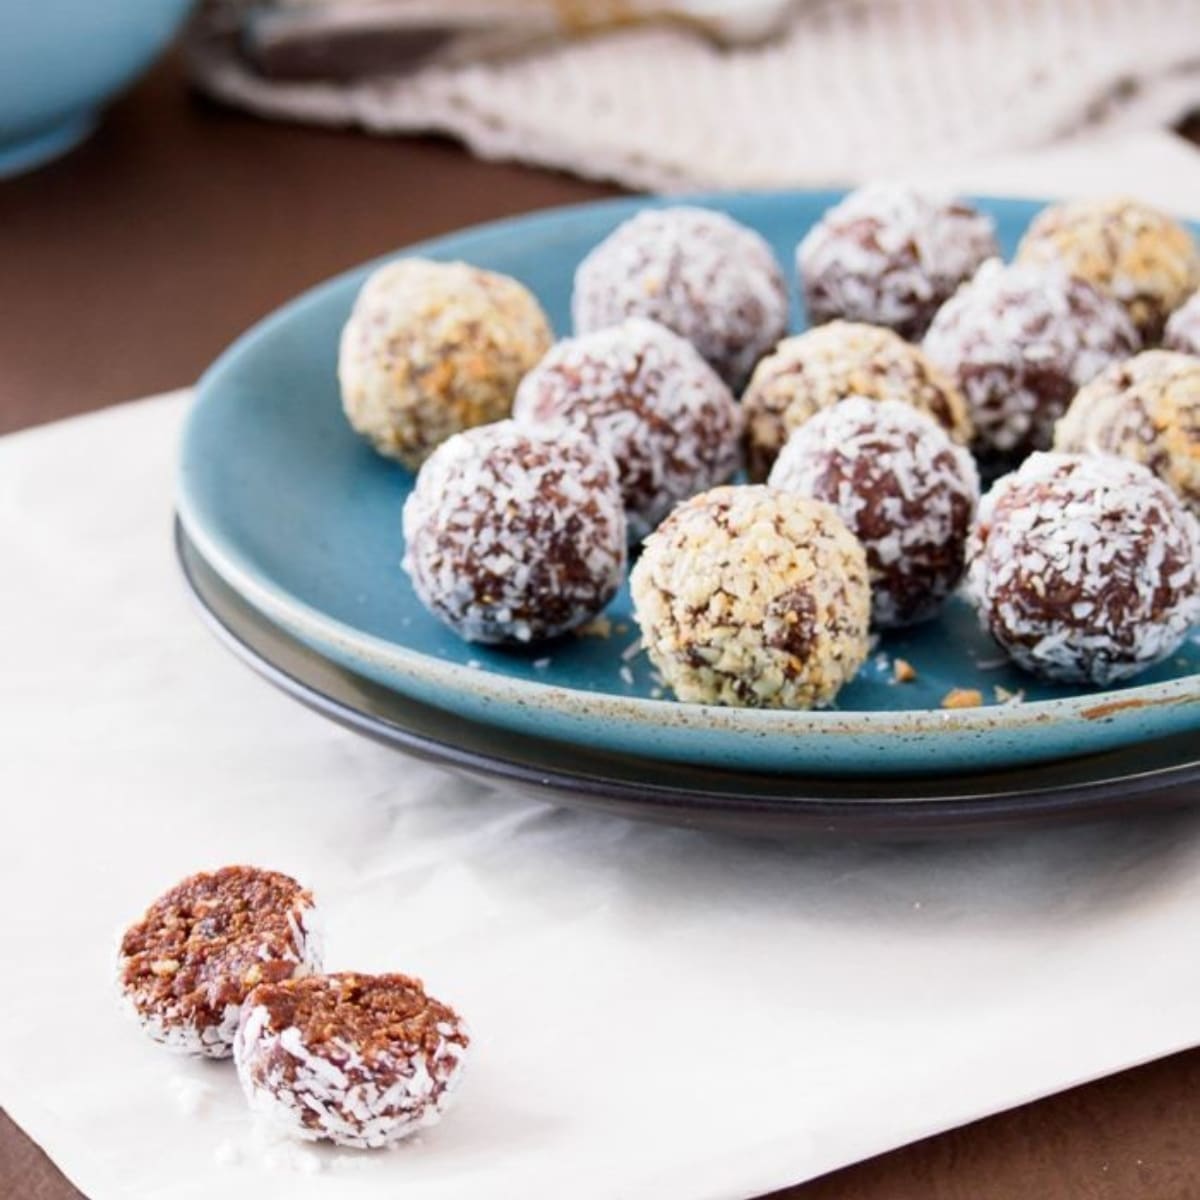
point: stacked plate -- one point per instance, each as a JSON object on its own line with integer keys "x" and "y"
{"x": 290, "y": 538}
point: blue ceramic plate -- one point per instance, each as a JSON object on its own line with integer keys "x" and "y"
{"x": 303, "y": 521}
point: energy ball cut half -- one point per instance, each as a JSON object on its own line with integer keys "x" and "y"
{"x": 433, "y": 348}
{"x": 1146, "y": 409}
{"x": 188, "y": 964}
{"x": 649, "y": 398}
{"x": 696, "y": 271}
{"x": 1085, "y": 569}
{"x": 1020, "y": 341}
{"x": 816, "y": 369}
{"x": 902, "y": 487}
{"x": 515, "y": 534}
{"x": 755, "y": 597}
{"x": 1143, "y": 258}
{"x": 891, "y": 255}
{"x": 358, "y": 1060}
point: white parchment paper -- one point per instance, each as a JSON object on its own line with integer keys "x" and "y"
{"x": 656, "y": 1012}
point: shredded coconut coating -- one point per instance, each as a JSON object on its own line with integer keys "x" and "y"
{"x": 358, "y": 1060}
{"x": 515, "y": 534}
{"x": 891, "y": 255}
{"x": 754, "y": 597}
{"x": 1020, "y": 341}
{"x": 649, "y": 398}
{"x": 902, "y": 487}
{"x": 1146, "y": 409}
{"x": 816, "y": 369}
{"x": 699, "y": 273}
{"x": 187, "y": 965}
{"x": 1085, "y": 569}
{"x": 1140, "y": 256}
{"x": 1182, "y": 332}
{"x": 433, "y": 348}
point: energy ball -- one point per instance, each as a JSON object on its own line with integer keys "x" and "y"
{"x": 1146, "y": 409}
{"x": 901, "y": 486}
{"x": 816, "y": 369}
{"x": 358, "y": 1060}
{"x": 188, "y": 964}
{"x": 1020, "y": 341}
{"x": 1085, "y": 569}
{"x": 891, "y": 255}
{"x": 515, "y": 534}
{"x": 645, "y": 395}
{"x": 697, "y": 272}
{"x": 755, "y": 597}
{"x": 1182, "y": 332}
{"x": 433, "y": 348}
{"x": 1137, "y": 254}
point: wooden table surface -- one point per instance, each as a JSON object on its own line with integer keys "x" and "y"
{"x": 127, "y": 266}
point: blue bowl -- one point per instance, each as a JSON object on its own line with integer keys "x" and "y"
{"x": 62, "y": 60}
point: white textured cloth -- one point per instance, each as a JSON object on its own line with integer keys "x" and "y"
{"x": 655, "y": 1012}
{"x": 854, "y": 89}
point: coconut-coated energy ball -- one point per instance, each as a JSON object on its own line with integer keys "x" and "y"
{"x": 188, "y": 963}
{"x": 1183, "y": 328}
{"x": 1085, "y": 569}
{"x": 1146, "y": 409}
{"x": 902, "y": 487}
{"x": 433, "y": 348}
{"x": 696, "y": 271}
{"x": 816, "y": 369}
{"x": 1020, "y": 341}
{"x": 891, "y": 255}
{"x": 1140, "y": 256}
{"x": 515, "y": 534}
{"x": 645, "y": 395}
{"x": 357, "y": 1060}
{"x": 755, "y": 597}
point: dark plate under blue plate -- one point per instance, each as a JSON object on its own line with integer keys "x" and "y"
{"x": 303, "y": 521}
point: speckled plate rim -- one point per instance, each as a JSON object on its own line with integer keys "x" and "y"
{"x": 897, "y": 806}
{"x": 316, "y": 627}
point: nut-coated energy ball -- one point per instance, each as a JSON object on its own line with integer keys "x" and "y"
{"x": 1085, "y": 569}
{"x": 645, "y": 395}
{"x": 696, "y": 271}
{"x": 188, "y": 964}
{"x": 902, "y": 487}
{"x": 755, "y": 597}
{"x": 816, "y": 369}
{"x": 891, "y": 255}
{"x": 433, "y": 348}
{"x": 1146, "y": 409}
{"x": 515, "y": 534}
{"x": 357, "y": 1060}
{"x": 1140, "y": 256}
{"x": 1020, "y": 341}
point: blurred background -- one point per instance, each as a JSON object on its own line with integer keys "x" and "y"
{"x": 170, "y": 172}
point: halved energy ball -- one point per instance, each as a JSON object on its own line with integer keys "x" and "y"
{"x": 696, "y": 271}
{"x": 186, "y": 966}
{"x": 515, "y": 534}
{"x": 753, "y": 596}
{"x": 432, "y": 348}
{"x": 902, "y": 486}
{"x": 891, "y": 255}
{"x": 1085, "y": 569}
{"x": 1146, "y": 409}
{"x": 816, "y": 369}
{"x": 1020, "y": 341}
{"x": 649, "y": 398}
{"x": 358, "y": 1060}
{"x": 1143, "y": 258}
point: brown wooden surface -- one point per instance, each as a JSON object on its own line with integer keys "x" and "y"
{"x": 129, "y": 265}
